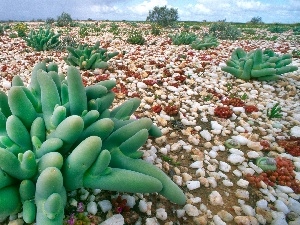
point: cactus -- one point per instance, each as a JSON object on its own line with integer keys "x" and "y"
{"x": 87, "y": 57}
{"x": 43, "y": 39}
{"x": 258, "y": 64}
{"x": 208, "y": 41}
{"x": 70, "y": 138}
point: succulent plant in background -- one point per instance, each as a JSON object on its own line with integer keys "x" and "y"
{"x": 43, "y": 39}
{"x": 87, "y": 57}
{"x": 258, "y": 64}
{"x": 136, "y": 37}
{"x": 208, "y": 41}
{"x": 183, "y": 38}
{"x": 57, "y": 135}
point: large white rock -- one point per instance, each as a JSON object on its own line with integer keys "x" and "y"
{"x": 116, "y": 219}
{"x": 215, "y": 198}
{"x": 235, "y": 159}
{"x": 295, "y": 131}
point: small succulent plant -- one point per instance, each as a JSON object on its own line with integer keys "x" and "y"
{"x": 87, "y": 57}
{"x": 208, "y": 41}
{"x": 258, "y": 64}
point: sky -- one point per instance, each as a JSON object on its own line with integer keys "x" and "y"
{"x": 270, "y": 11}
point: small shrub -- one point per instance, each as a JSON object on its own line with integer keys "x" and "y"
{"x": 208, "y": 41}
{"x": 49, "y": 21}
{"x": 256, "y": 20}
{"x": 163, "y": 16}
{"x": 224, "y": 31}
{"x": 277, "y": 29}
{"x": 155, "y": 30}
{"x": 64, "y": 20}
{"x": 83, "y": 31}
{"x": 136, "y": 37}
{"x": 21, "y": 29}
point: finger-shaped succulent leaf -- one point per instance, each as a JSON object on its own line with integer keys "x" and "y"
{"x": 18, "y": 133}
{"x": 154, "y": 131}
{"x": 95, "y": 91}
{"x": 34, "y": 84}
{"x": 105, "y": 102}
{"x": 133, "y": 143}
{"x": 79, "y": 161}
{"x": 68, "y": 131}
{"x": 51, "y": 159}
{"x": 38, "y": 129}
{"x": 4, "y": 107}
{"x": 17, "y": 81}
{"x": 109, "y": 84}
{"x": 6, "y": 180}
{"x": 122, "y": 180}
{"x": 29, "y": 211}
{"x": 27, "y": 190}
{"x": 50, "y": 197}
{"x": 49, "y": 97}
{"x": 122, "y": 134}
{"x": 10, "y": 202}
{"x": 76, "y": 92}
{"x": 50, "y": 145}
{"x": 125, "y": 110}
{"x": 100, "y": 166}
{"x": 59, "y": 114}
{"x": 90, "y": 117}
{"x": 170, "y": 190}
{"x": 21, "y": 106}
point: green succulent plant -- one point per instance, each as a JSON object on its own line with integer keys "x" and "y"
{"x": 183, "y": 38}
{"x": 87, "y": 57}
{"x": 258, "y": 64}
{"x": 208, "y": 41}
{"x": 43, "y": 39}
{"x": 56, "y": 135}
{"x": 136, "y": 37}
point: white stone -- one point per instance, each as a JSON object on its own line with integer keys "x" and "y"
{"x": 218, "y": 221}
{"x": 281, "y": 207}
{"x": 206, "y": 135}
{"x": 278, "y": 218}
{"x": 92, "y": 208}
{"x": 105, "y": 205}
{"x": 161, "y": 214}
{"x": 130, "y": 200}
{"x": 225, "y": 216}
{"x": 215, "y": 198}
{"x": 235, "y": 159}
{"x": 191, "y": 210}
{"x": 227, "y": 183}
{"x": 242, "y": 194}
{"x": 213, "y": 154}
{"x": 151, "y": 221}
{"x": 236, "y": 151}
{"x": 240, "y": 139}
{"x": 180, "y": 213}
{"x": 253, "y": 154}
{"x": 143, "y": 207}
{"x": 295, "y": 131}
{"x": 225, "y": 167}
{"x": 254, "y": 145}
{"x": 248, "y": 210}
{"x": 294, "y": 205}
{"x": 285, "y": 189}
{"x": 192, "y": 185}
{"x": 141, "y": 85}
{"x": 215, "y": 125}
{"x": 116, "y": 219}
{"x": 237, "y": 173}
{"x": 242, "y": 183}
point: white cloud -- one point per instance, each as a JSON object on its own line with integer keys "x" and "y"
{"x": 144, "y": 7}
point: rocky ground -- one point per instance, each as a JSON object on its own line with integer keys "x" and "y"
{"x": 180, "y": 89}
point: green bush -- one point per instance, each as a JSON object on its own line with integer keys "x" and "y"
{"x": 64, "y": 20}
{"x": 183, "y": 38}
{"x": 49, "y": 21}
{"x": 136, "y": 37}
{"x": 224, "y": 31}
{"x": 258, "y": 64}
{"x": 163, "y": 16}
{"x": 21, "y": 29}
{"x": 43, "y": 39}
{"x": 277, "y": 29}
{"x": 155, "y": 29}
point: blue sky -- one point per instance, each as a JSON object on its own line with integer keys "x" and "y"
{"x": 282, "y": 11}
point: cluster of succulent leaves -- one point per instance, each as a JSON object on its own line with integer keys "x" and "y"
{"x": 42, "y": 39}
{"x": 89, "y": 57}
{"x": 208, "y": 41}
{"x": 183, "y": 38}
{"x": 258, "y": 64}
{"x": 155, "y": 29}
{"x": 61, "y": 136}
{"x": 136, "y": 37}
{"x": 276, "y": 28}
{"x": 274, "y": 112}
{"x": 224, "y": 31}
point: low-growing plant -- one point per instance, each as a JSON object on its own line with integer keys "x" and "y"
{"x": 224, "y": 31}
{"x": 277, "y": 29}
{"x": 258, "y": 64}
{"x": 155, "y": 30}
{"x": 89, "y": 57}
{"x": 136, "y": 37}
{"x": 83, "y": 31}
{"x": 114, "y": 28}
{"x": 68, "y": 139}
{"x": 43, "y": 39}
{"x": 50, "y": 21}
{"x": 21, "y": 29}
{"x": 183, "y": 38}
{"x": 274, "y": 112}
{"x": 208, "y": 41}
{"x": 64, "y": 20}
